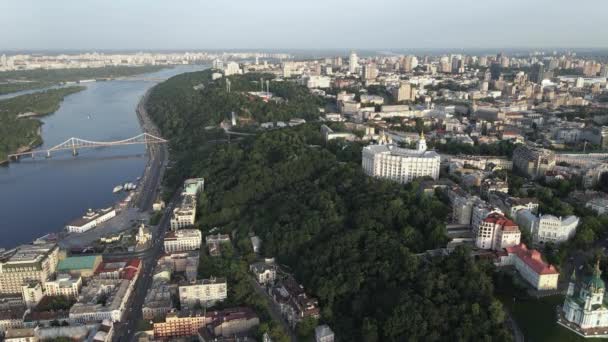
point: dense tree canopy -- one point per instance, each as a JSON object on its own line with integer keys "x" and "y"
{"x": 350, "y": 239}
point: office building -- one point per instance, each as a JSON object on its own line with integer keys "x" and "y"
{"x": 353, "y": 63}
{"x": 26, "y": 263}
{"x": 183, "y": 240}
{"x": 400, "y": 164}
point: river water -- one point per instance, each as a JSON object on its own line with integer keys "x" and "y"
{"x": 39, "y": 196}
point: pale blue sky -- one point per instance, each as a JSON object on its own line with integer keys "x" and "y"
{"x": 303, "y": 24}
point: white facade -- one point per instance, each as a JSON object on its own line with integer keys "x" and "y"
{"x": 232, "y": 68}
{"x": 32, "y": 294}
{"x": 26, "y": 263}
{"x": 353, "y": 62}
{"x": 400, "y": 164}
{"x": 317, "y": 81}
{"x": 553, "y": 229}
{"x": 496, "y": 232}
{"x": 90, "y": 220}
{"x": 205, "y": 292}
{"x": 183, "y": 240}
{"x": 64, "y": 285}
{"x": 185, "y": 215}
{"x": 585, "y": 307}
{"x": 548, "y": 228}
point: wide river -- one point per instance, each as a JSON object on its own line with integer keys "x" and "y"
{"x": 39, "y": 196}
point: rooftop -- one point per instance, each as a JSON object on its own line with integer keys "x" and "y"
{"x": 78, "y": 263}
{"x": 532, "y": 258}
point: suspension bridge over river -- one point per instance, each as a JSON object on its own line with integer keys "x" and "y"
{"x": 75, "y": 144}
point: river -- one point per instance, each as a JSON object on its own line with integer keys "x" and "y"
{"x": 39, "y": 196}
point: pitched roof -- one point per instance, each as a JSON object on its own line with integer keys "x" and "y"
{"x": 532, "y": 258}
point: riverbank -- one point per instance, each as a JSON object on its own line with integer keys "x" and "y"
{"x": 158, "y": 156}
{"x": 19, "y": 80}
{"x": 19, "y": 133}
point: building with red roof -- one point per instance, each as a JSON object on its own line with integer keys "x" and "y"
{"x": 530, "y": 265}
{"x": 119, "y": 269}
{"x": 496, "y": 232}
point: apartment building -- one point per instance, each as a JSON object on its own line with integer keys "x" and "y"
{"x": 26, "y": 263}
{"x": 496, "y": 232}
{"x": 204, "y": 292}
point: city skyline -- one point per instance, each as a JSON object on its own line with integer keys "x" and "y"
{"x": 98, "y": 25}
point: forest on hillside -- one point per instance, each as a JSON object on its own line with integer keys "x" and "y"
{"x": 351, "y": 240}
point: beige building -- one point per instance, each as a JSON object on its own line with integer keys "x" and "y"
{"x": 204, "y": 292}
{"x": 63, "y": 285}
{"x": 32, "y": 294}
{"x": 26, "y": 263}
{"x": 530, "y": 265}
{"x": 532, "y": 161}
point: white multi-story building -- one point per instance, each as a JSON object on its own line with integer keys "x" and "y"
{"x": 205, "y": 292}
{"x": 91, "y": 219}
{"x": 26, "y": 263}
{"x": 32, "y": 294}
{"x": 353, "y": 62}
{"x": 232, "y": 68}
{"x": 184, "y": 215}
{"x": 496, "y": 232}
{"x": 63, "y": 285}
{"x": 183, "y": 240}
{"x": 530, "y": 265}
{"x": 102, "y": 299}
{"x": 548, "y": 228}
{"x": 400, "y": 164}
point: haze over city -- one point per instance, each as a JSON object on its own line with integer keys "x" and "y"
{"x": 299, "y": 171}
{"x": 312, "y": 24}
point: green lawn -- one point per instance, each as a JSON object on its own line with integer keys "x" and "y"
{"x": 536, "y": 318}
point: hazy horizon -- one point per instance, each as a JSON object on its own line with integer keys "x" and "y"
{"x": 37, "y": 25}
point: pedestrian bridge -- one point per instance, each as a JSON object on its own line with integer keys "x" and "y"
{"x": 75, "y": 144}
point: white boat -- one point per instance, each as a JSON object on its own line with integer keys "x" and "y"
{"x": 117, "y": 188}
